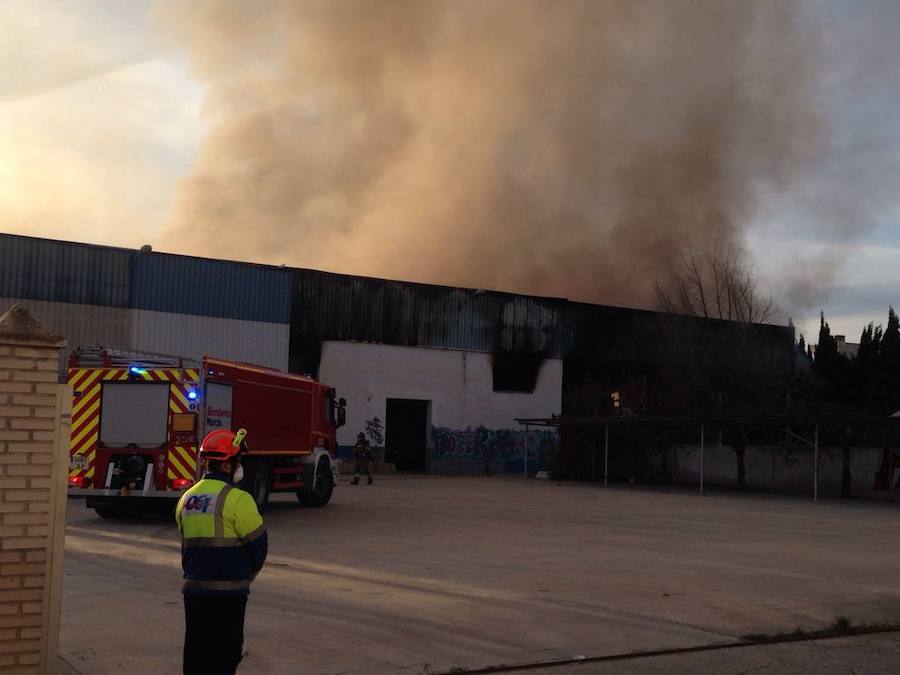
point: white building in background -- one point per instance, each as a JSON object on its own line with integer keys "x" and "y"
{"x": 848, "y": 349}
{"x": 435, "y": 403}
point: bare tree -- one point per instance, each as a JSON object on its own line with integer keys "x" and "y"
{"x": 715, "y": 284}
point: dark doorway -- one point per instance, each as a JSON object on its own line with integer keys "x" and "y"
{"x": 406, "y": 434}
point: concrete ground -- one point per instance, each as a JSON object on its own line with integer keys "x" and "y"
{"x": 869, "y": 654}
{"x": 424, "y": 575}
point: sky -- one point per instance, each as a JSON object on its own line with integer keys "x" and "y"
{"x": 98, "y": 120}
{"x": 103, "y": 117}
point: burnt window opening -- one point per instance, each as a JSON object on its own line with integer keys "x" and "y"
{"x": 516, "y": 371}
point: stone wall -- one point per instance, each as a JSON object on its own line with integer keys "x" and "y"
{"x": 34, "y": 412}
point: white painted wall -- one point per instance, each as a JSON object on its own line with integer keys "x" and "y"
{"x": 458, "y": 384}
{"x": 775, "y": 467}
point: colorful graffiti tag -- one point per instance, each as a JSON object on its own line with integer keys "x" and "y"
{"x": 503, "y": 450}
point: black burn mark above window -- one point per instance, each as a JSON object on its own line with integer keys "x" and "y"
{"x": 516, "y": 371}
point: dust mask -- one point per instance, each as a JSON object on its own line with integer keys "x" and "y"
{"x": 238, "y": 474}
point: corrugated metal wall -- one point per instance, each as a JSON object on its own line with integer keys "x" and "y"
{"x": 341, "y": 307}
{"x": 166, "y": 291}
{"x": 262, "y": 343}
{"x": 183, "y": 285}
{"x": 602, "y": 334}
{"x": 78, "y": 324}
{"x": 56, "y": 271}
{"x": 150, "y": 301}
{"x": 193, "y": 307}
{"x": 613, "y": 334}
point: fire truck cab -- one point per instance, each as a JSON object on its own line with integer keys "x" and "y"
{"x": 138, "y": 419}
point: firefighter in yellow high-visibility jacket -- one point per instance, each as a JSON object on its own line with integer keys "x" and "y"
{"x": 223, "y": 548}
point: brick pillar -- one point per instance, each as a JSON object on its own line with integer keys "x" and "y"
{"x": 34, "y": 425}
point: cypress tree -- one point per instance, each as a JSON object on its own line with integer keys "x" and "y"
{"x": 831, "y": 367}
{"x": 889, "y": 363}
{"x": 865, "y": 343}
{"x": 890, "y": 341}
{"x": 826, "y": 349}
{"x": 865, "y": 368}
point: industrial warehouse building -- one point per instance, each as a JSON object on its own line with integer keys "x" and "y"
{"x": 447, "y": 370}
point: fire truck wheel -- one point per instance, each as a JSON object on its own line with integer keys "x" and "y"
{"x": 320, "y": 494}
{"x": 256, "y": 482}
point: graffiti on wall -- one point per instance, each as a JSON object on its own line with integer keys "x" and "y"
{"x": 500, "y": 447}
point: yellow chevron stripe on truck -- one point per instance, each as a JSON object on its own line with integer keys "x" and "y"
{"x": 86, "y": 408}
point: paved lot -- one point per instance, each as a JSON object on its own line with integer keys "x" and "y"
{"x": 869, "y": 655}
{"x": 415, "y": 575}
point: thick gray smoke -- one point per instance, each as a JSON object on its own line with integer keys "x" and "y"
{"x": 564, "y": 148}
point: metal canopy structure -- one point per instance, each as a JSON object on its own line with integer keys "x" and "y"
{"x": 816, "y": 418}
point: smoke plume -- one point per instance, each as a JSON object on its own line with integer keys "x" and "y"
{"x": 565, "y": 148}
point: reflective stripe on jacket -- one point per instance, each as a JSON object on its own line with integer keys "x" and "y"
{"x": 223, "y": 537}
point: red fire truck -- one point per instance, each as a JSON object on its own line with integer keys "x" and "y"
{"x": 137, "y": 420}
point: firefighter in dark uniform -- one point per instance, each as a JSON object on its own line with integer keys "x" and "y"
{"x": 223, "y": 547}
{"x": 363, "y": 456}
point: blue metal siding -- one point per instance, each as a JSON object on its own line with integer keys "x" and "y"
{"x": 56, "y": 271}
{"x": 182, "y": 285}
